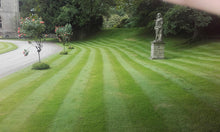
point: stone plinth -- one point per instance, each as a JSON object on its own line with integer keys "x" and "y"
{"x": 157, "y": 50}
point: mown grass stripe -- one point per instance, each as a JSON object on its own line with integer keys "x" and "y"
{"x": 207, "y": 59}
{"x": 117, "y": 118}
{"x": 33, "y": 100}
{"x": 191, "y": 70}
{"x": 146, "y": 54}
{"x": 6, "y": 91}
{"x": 141, "y": 111}
{"x": 182, "y": 100}
{"x": 214, "y": 80}
{"x": 184, "y": 68}
{"x": 197, "y": 103}
{"x": 43, "y": 116}
{"x": 53, "y": 60}
{"x": 2, "y": 46}
{"x": 212, "y": 67}
{"x": 13, "y": 101}
{"x": 183, "y": 62}
{"x": 151, "y": 85}
{"x": 140, "y": 47}
{"x": 92, "y": 109}
{"x": 66, "y": 118}
{"x": 6, "y": 47}
{"x": 212, "y": 100}
{"x": 132, "y": 45}
{"x": 200, "y": 53}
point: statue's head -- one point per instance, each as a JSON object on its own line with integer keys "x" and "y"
{"x": 159, "y": 15}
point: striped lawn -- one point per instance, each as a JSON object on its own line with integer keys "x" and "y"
{"x": 108, "y": 83}
{"x": 6, "y": 47}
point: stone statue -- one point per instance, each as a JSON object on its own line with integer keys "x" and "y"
{"x": 159, "y": 28}
{"x": 158, "y": 46}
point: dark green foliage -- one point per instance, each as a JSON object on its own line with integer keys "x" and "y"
{"x": 40, "y": 66}
{"x": 26, "y": 6}
{"x": 84, "y": 16}
{"x": 192, "y": 23}
{"x": 142, "y": 12}
{"x": 213, "y": 28}
{"x": 49, "y": 10}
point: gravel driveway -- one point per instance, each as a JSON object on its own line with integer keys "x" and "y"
{"x": 15, "y": 60}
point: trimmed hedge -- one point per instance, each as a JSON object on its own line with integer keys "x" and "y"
{"x": 40, "y": 66}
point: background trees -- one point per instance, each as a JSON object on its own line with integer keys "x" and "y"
{"x": 179, "y": 20}
{"x": 86, "y": 16}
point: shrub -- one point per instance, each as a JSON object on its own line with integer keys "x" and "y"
{"x": 70, "y": 47}
{"x": 116, "y": 21}
{"x": 40, "y": 66}
{"x": 63, "y": 53}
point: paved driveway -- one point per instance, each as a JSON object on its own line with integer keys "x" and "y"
{"x": 15, "y": 60}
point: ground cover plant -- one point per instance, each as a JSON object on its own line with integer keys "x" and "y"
{"x": 6, "y": 47}
{"x": 108, "y": 83}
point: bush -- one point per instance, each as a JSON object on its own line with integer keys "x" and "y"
{"x": 116, "y": 21}
{"x": 63, "y": 53}
{"x": 40, "y": 66}
{"x": 70, "y": 47}
{"x": 123, "y": 23}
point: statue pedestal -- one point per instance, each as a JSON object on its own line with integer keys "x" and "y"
{"x": 157, "y": 50}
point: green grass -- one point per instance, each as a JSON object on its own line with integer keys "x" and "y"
{"x": 6, "y": 47}
{"x": 108, "y": 83}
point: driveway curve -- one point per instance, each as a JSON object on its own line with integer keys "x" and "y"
{"x": 13, "y": 61}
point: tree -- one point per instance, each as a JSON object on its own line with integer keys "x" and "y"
{"x": 33, "y": 27}
{"x": 64, "y": 34}
{"x": 193, "y": 21}
{"x": 85, "y": 16}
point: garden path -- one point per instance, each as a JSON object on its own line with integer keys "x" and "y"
{"x": 13, "y": 61}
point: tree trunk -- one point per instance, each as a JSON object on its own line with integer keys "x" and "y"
{"x": 39, "y": 56}
{"x": 63, "y": 47}
{"x": 195, "y": 34}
